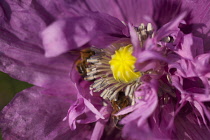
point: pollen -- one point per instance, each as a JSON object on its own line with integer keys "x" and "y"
{"x": 122, "y": 65}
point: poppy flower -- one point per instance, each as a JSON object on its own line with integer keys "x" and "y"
{"x": 106, "y": 69}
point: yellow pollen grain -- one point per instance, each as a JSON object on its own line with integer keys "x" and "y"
{"x": 122, "y": 65}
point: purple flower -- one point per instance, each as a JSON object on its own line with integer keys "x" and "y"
{"x": 106, "y": 69}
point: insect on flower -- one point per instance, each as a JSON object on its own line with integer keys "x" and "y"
{"x": 122, "y": 102}
{"x": 81, "y": 63}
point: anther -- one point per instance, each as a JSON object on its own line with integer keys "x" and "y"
{"x": 92, "y": 60}
{"x": 144, "y": 32}
{"x": 149, "y": 29}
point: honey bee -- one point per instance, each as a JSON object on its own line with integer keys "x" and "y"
{"x": 122, "y": 102}
{"x": 81, "y": 63}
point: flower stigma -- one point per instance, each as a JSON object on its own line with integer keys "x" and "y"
{"x": 122, "y": 65}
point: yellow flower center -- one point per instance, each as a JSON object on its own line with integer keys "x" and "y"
{"x": 122, "y": 65}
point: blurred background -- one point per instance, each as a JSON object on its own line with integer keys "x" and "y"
{"x": 8, "y": 88}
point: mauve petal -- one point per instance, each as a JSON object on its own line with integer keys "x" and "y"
{"x": 93, "y": 109}
{"x": 154, "y": 128}
{"x": 140, "y": 114}
{"x": 161, "y": 119}
{"x": 40, "y": 75}
{"x": 134, "y": 40}
{"x": 143, "y": 108}
{"x": 132, "y": 11}
{"x": 23, "y": 21}
{"x": 187, "y": 129}
{"x": 90, "y": 117}
{"x": 165, "y": 10}
{"x": 103, "y": 6}
{"x": 199, "y": 19}
{"x": 68, "y": 34}
{"x": 201, "y": 110}
{"x": 5, "y": 12}
{"x": 26, "y": 25}
{"x": 149, "y": 59}
{"x": 27, "y": 62}
{"x": 101, "y": 123}
{"x": 190, "y": 47}
{"x": 170, "y": 27}
{"x": 98, "y": 130}
{"x": 85, "y": 111}
{"x": 148, "y": 55}
{"x": 27, "y": 18}
{"x": 75, "y": 110}
{"x": 63, "y": 133}
{"x": 84, "y": 92}
{"x": 202, "y": 64}
{"x": 133, "y": 132}
{"x": 198, "y": 46}
{"x": 54, "y": 39}
{"x": 48, "y": 10}
{"x": 136, "y": 12}
{"x": 185, "y": 68}
{"x": 33, "y": 113}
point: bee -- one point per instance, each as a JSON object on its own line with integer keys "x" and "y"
{"x": 81, "y": 63}
{"x": 122, "y": 102}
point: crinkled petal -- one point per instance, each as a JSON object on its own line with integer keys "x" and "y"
{"x": 98, "y": 130}
{"x": 33, "y": 113}
{"x": 147, "y": 60}
{"x": 202, "y": 64}
{"x": 84, "y": 92}
{"x": 191, "y": 47}
{"x": 84, "y": 111}
{"x": 199, "y": 19}
{"x": 136, "y": 12}
{"x": 185, "y": 68}
{"x": 187, "y": 129}
{"x": 102, "y": 6}
{"x": 24, "y": 21}
{"x": 75, "y": 110}
{"x": 148, "y": 55}
{"x": 143, "y": 107}
{"x": 170, "y": 27}
{"x": 93, "y": 109}
{"x": 165, "y": 10}
{"x": 132, "y": 131}
{"x": 101, "y": 123}
{"x": 67, "y": 34}
{"x": 26, "y": 62}
{"x": 134, "y": 39}
{"x": 132, "y": 11}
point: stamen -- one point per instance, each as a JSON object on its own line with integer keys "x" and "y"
{"x": 144, "y": 32}
{"x": 97, "y": 50}
{"x": 114, "y": 95}
{"x": 128, "y": 90}
{"x": 113, "y": 72}
{"x": 99, "y": 70}
{"x": 92, "y": 60}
